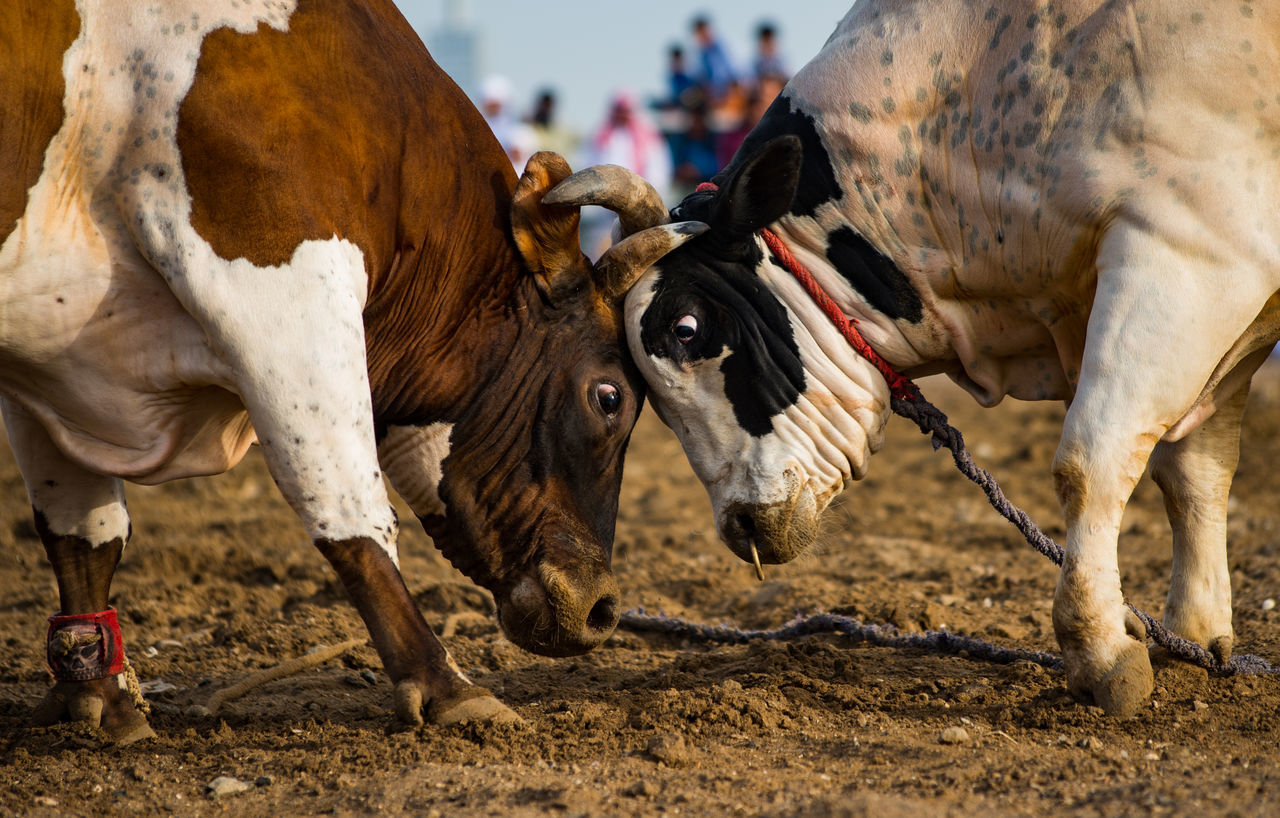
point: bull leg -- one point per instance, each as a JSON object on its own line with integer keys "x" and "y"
{"x": 1158, "y": 328}
{"x": 1195, "y": 474}
{"x": 293, "y": 339}
{"x": 427, "y": 679}
{"x": 84, "y": 525}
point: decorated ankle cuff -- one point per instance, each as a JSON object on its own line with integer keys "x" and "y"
{"x": 84, "y": 647}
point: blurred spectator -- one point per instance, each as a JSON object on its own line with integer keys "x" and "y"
{"x": 629, "y": 139}
{"x": 516, "y": 138}
{"x": 715, "y": 70}
{"x": 679, "y": 81}
{"x": 550, "y": 135}
{"x": 761, "y": 97}
{"x": 768, "y": 62}
{"x": 693, "y": 152}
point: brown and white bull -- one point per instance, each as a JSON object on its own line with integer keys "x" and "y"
{"x": 281, "y": 222}
{"x": 1047, "y": 200}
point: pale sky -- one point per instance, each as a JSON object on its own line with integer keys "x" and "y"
{"x": 586, "y": 49}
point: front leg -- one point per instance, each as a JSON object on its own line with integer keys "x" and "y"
{"x": 427, "y": 679}
{"x": 84, "y": 526}
{"x": 293, "y": 339}
{"x": 1160, "y": 324}
{"x": 1095, "y": 471}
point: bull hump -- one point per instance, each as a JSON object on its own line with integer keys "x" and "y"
{"x": 31, "y": 81}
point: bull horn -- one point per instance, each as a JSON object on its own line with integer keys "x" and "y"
{"x": 638, "y": 204}
{"x": 623, "y": 263}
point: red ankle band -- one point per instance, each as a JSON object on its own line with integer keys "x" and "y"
{"x": 84, "y": 647}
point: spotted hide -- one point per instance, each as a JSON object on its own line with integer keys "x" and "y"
{"x": 280, "y": 221}
{"x": 1044, "y": 200}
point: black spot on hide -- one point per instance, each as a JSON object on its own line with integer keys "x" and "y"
{"x": 874, "y": 275}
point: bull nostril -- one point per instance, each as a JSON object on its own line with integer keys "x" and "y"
{"x": 746, "y": 524}
{"x": 604, "y": 614}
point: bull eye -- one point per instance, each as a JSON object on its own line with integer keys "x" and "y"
{"x": 609, "y": 397}
{"x": 686, "y": 329}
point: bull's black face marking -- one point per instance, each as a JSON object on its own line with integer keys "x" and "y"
{"x": 874, "y": 276}
{"x": 817, "y": 182}
{"x": 729, "y": 306}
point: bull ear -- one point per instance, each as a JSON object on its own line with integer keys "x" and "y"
{"x": 546, "y": 234}
{"x": 762, "y": 188}
{"x": 623, "y": 263}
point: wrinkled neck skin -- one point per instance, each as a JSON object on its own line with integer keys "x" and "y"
{"x": 427, "y": 376}
{"x": 818, "y": 445}
{"x": 912, "y": 175}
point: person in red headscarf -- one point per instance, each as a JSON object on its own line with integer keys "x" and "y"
{"x": 627, "y": 138}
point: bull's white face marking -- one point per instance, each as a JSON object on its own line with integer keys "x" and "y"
{"x": 820, "y": 443}
{"x": 110, "y": 210}
{"x": 413, "y": 459}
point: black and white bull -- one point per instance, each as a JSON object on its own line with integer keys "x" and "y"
{"x": 1070, "y": 201}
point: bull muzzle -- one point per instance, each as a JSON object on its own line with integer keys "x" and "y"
{"x": 780, "y": 531}
{"x": 555, "y": 611}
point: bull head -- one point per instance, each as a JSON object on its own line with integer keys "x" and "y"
{"x": 716, "y": 342}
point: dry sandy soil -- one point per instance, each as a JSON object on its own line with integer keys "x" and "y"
{"x": 220, "y": 581}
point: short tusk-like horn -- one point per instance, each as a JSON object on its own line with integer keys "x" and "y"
{"x": 624, "y": 263}
{"x": 638, "y": 204}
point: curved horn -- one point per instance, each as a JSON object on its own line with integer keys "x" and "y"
{"x": 639, "y": 206}
{"x": 624, "y": 263}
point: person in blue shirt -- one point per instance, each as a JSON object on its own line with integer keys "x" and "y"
{"x": 715, "y": 70}
{"x": 678, "y": 78}
{"x": 769, "y": 63}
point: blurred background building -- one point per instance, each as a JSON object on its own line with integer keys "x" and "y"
{"x": 454, "y": 40}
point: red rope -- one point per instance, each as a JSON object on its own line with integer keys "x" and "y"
{"x": 899, "y": 386}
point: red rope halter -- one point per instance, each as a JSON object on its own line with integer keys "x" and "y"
{"x": 899, "y": 386}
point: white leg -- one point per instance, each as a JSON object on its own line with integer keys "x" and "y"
{"x": 84, "y": 526}
{"x": 293, "y": 339}
{"x": 1195, "y": 475}
{"x": 1159, "y": 326}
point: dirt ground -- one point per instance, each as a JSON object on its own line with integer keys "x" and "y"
{"x": 220, "y": 580}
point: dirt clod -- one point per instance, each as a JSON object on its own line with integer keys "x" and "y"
{"x": 954, "y": 735}
{"x": 671, "y": 750}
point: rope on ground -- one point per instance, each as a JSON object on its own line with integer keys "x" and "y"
{"x": 289, "y": 667}
{"x": 932, "y": 421}
{"x": 885, "y": 636}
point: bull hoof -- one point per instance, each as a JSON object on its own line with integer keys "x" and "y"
{"x": 1122, "y": 688}
{"x": 483, "y": 709}
{"x": 467, "y": 704}
{"x": 101, "y": 704}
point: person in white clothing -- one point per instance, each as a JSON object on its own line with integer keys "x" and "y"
{"x": 516, "y": 138}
